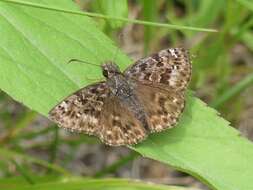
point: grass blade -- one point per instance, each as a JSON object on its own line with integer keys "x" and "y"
{"x": 91, "y": 184}
{"x": 10, "y": 155}
{"x": 134, "y": 21}
{"x": 233, "y": 91}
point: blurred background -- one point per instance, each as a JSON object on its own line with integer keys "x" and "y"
{"x": 222, "y": 77}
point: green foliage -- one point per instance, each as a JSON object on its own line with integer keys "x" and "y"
{"x": 36, "y": 45}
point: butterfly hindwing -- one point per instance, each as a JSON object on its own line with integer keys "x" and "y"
{"x": 162, "y": 107}
{"x": 120, "y": 125}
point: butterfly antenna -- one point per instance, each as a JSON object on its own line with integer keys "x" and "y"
{"x": 92, "y": 79}
{"x": 81, "y": 61}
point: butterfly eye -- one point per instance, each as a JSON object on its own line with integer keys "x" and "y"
{"x": 105, "y": 73}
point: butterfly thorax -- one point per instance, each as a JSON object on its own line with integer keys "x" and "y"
{"x": 123, "y": 88}
{"x": 116, "y": 81}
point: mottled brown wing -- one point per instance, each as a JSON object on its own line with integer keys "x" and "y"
{"x": 169, "y": 68}
{"x": 120, "y": 127}
{"x": 162, "y": 107}
{"x": 81, "y": 111}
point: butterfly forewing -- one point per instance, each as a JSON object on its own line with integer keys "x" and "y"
{"x": 93, "y": 111}
{"x": 169, "y": 68}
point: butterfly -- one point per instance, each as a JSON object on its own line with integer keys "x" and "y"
{"x": 148, "y": 97}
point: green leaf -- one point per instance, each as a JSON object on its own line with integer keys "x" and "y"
{"x": 36, "y": 45}
{"x": 35, "y": 48}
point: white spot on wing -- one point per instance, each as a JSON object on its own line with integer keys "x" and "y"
{"x": 116, "y": 118}
{"x": 64, "y": 105}
{"x": 172, "y": 51}
{"x": 90, "y": 119}
{"x": 174, "y": 100}
{"x": 159, "y": 127}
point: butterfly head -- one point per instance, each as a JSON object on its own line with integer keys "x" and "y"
{"x": 110, "y": 69}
